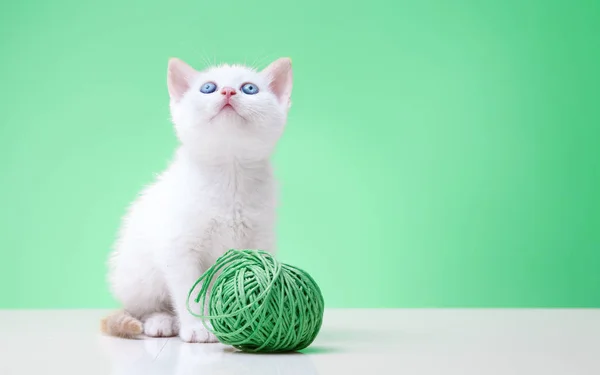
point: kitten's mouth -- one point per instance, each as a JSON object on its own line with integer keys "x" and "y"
{"x": 228, "y": 107}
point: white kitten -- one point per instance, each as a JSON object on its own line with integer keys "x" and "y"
{"x": 218, "y": 193}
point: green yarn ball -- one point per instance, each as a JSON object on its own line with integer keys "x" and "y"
{"x": 257, "y": 304}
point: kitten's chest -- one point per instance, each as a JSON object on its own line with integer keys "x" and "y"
{"x": 225, "y": 209}
{"x": 234, "y": 211}
{"x": 237, "y": 213}
{"x": 234, "y": 222}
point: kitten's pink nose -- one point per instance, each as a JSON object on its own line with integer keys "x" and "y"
{"x": 228, "y": 92}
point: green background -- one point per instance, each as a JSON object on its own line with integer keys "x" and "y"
{"x": 437, "y": 153}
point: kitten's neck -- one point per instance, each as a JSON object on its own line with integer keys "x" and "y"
{"x": 225, "y": 168}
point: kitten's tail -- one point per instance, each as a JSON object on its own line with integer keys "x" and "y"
{"x": 121, "y": 324}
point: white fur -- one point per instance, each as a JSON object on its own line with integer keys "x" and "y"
{"x": 218, "y": 193}
{"x": 160, "y": 324}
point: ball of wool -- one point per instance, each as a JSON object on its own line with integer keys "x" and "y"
{"x": 257, "y": 304}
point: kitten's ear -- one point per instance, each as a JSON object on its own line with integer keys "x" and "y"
{"x": 179, "y": 78}
{"x": 279, "y": 74}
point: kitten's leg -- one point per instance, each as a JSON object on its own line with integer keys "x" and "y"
{"x": 181, "y": 276}
{"x": 139, "y": 287}
{"x": 161, "y": 324}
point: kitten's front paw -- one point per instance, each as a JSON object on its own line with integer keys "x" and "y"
{"x": 196, "y": 332}
{"x": 160, "y": 325}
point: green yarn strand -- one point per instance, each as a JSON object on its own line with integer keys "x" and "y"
{"x": 257, "y": 304}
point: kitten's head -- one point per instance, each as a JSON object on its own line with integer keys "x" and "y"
{"x": 230, "y": 110}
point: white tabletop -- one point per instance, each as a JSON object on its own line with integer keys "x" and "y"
{"x": 507, "y": 342}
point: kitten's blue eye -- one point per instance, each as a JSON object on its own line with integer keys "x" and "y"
{"x": 208, "y": 88}
{"x": 249, "y": 88}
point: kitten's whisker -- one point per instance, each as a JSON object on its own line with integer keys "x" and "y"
{"x": 204, "y": 59}
{"x": 263, "y": 61}
{"x": 253, "y": 65}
